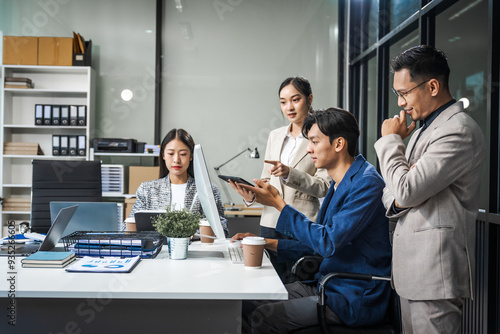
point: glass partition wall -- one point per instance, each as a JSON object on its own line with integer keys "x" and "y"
{"x": 468, "y": 32}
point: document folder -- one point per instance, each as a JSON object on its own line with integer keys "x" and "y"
{"x": 82, "y": 145}
{"x": 73, "y": 115}
{"x": 56, "y": 144}
{"x": 82, "y": 115}
{"x": 38, "y": 114}
{"x": 56, "y": 115}
{"x": 64, "y": 145}
{"x": 47, "y": 114}
{"x": 73, "y": 145}
{"x": 64, "y": 115}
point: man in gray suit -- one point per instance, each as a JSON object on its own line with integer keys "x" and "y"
{"x": 432, "y": 189}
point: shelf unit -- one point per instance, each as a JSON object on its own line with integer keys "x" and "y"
{"x": 126, "y": 160}
{"x": 54, "y": 85}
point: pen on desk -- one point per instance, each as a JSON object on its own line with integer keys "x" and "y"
{"x": 212, "y": 237}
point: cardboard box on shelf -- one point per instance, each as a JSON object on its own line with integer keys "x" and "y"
{"x": 139, "y": 174}
{"x": 55, "y": 51}
{"x": 129, "y": 204}
{"x": 20, "y": 50}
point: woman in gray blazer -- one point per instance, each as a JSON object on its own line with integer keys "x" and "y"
{"x": 287, "y": 165}
{"x": 176, "y": 187}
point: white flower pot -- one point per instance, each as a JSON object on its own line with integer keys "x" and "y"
{"x": 177, "y": 248}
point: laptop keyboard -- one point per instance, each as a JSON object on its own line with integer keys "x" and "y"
{"x": 235, "y": 254}
{"x": 19, "y": 249}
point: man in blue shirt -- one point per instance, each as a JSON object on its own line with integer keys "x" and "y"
{"x": 351, "y": 233}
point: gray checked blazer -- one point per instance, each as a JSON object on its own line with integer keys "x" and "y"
{"x": 434, "y": 239}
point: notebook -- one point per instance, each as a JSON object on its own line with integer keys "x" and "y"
{"x": 51, "y": 239}
{"x": 90, "y": 216}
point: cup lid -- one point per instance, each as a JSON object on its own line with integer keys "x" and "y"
{"x": 204, "y": 222}
{"x": 253, "y": 241}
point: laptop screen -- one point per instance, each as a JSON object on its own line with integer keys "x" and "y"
{"x": 89, "y": 216}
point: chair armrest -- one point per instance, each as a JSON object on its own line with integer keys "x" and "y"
{"x": 306, "y": 267}
{"x": 361, "y": 277}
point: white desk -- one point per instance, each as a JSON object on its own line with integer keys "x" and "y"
{"x": 202, "y": 294}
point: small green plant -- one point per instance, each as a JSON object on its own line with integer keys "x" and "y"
{"x": 177, "y": 223}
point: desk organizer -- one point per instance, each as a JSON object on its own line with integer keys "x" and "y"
{"x": 146, "y": 244}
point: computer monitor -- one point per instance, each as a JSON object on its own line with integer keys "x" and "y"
{"x": 205, "y": 193}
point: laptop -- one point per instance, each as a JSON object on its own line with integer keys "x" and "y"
{"x": 90, "y": 216}
{"x": 50, "y": 241}
{"x": 144, "y": 219}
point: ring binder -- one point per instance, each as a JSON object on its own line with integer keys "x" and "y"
{"x": 64, "y": 115}
{"x": 47, "y": 114}
{"x": 82, "y": 115}
{"x": 38, "y": 114}
{"x": 73, "y": 115}
{"x": 82, "y": 145}
{"x": 64, "y": 145}
{"x": 56, "y": 115}
{"x": 73, "y": 145}
{"x": 56, "y": 144}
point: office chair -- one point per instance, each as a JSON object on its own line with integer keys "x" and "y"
{"x": 392, "y": 326}
{"x": 62, "y": 180}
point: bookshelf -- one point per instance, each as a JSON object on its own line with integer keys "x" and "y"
{"x": 53, "y": 85}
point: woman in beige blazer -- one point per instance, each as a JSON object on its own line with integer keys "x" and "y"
{"x": 288, "y": 166}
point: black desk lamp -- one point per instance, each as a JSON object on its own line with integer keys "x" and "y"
{"x": 254, "y": 154}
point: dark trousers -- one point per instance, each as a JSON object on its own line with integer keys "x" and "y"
{"x": 283, "y": 269}
{"x": 299, "y": 311}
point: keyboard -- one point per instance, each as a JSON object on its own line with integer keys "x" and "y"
{"x": 235, "y": 254}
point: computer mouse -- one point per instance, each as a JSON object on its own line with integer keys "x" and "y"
{"x": 235, "y": 243}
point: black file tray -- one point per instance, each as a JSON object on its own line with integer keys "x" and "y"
{"x": 146, "y": 244}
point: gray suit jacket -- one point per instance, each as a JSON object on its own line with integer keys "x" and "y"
{"x": 305, "y": 183}
{"x": 434, "y": 239}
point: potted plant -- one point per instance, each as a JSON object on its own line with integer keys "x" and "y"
{"x": 178, "y": 226}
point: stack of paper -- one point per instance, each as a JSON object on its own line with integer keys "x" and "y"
{"x": 16, "y": 204}
{"x": 16, "y": 82}
{"x": 104, "y": 265}
{"x": 20, "y": 148}
{"x": 48, "y": 259}
{"x": 122, "y": 248}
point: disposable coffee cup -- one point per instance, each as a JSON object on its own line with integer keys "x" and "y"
{"x": 253, "y": 250}
{"x": 205, "y": 229}
{"x": 130, "y": 224}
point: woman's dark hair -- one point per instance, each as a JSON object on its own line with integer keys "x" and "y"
{"x": 300, "y": 83}
{"x": 335, "y": 123}
{"x": 424, "y": 62}
{"x": 184, "y": 137}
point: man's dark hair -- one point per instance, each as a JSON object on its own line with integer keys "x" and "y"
{"x": 424, "y": 62}
{"x": 335, "y": 123}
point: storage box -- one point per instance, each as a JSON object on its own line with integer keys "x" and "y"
{"x": 84, "y": 59}
{"x": 129, "y": 205}
{"x": 113, "y": 179}
{"x": 139, "y": 174}
{"x": 20, "y": 50}
{"x": 55, "y": 51}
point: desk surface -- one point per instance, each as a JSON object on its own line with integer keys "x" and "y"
{"x": 243, "y": 210}
{"x": 207, "y": 273}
